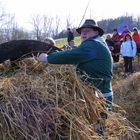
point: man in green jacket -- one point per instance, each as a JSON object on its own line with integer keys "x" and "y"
{"x": 91, "y": 57}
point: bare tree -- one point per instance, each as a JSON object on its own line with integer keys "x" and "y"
{"x": 7, "y": 27}
{"x": 57, "y": 25}
{"x": 2, "y": 13}
{"x": 19, "y": 33}
{"x": 36, "y": 21}
{"x": 10, "y": 31}
{"x": 68, "y": 22}
{"x": 45, "y": 26}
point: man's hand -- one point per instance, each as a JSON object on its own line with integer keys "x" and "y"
{"x": 42, "y": 57}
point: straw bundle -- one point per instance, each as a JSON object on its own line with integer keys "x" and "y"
{"x": 49, "y": 103}
{"x": 127, "y": 95}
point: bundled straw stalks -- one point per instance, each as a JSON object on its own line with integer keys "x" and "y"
{"x": 50, "y": 102}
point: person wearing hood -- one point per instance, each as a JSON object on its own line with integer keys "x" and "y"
{"x": 92, "y": 57}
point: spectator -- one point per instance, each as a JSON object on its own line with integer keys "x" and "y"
{"x": 91, "y": 57}
{"x": 70, "y": 46}
{"x": 116, "y": 38}
{"x": 109, "y": 42}
{"x": 128, "y": 51}
{"x": 70, "y": 35}
{"x": 136, "y": 38}
{"x": 50, "y": 41}
{"x": 125, "y": 31}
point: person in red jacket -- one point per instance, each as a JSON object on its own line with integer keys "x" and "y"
{"x": 116, "y": 38}
{"x": 136, "y": 38}
{"x": 125, "y": 31}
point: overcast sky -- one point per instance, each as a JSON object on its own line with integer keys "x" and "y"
{"x": 98, "y": 9}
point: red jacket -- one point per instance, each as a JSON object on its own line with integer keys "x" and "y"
{"x": 136, "y": 38}
{"x": 117, "y": 40}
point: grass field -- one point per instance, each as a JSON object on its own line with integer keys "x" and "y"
{"x": 63, "y": 41}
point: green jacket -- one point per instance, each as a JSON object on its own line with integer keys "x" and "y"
{"x": 92, "y": 58}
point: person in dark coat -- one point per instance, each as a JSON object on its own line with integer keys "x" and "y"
{"x": 116, "y": 38}
{"x": 70, "y": 36}
{"x": 110, "y": 42}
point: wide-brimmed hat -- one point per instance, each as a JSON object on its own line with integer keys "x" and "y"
{"x": 89, "y": 23}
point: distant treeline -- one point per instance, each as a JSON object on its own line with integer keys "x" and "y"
{"x": 109, "y": 24}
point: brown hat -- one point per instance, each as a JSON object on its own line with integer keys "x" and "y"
{"x": 89, "y": 23}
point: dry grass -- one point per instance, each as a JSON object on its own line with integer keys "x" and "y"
{"x": 40, "y": 102}
{"x": 127, "y": 95}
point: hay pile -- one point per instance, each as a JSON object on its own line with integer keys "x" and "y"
{"x": 39, "y": 102}
{"x": 127, "y": 96}
{"x": 118, "y": 70}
